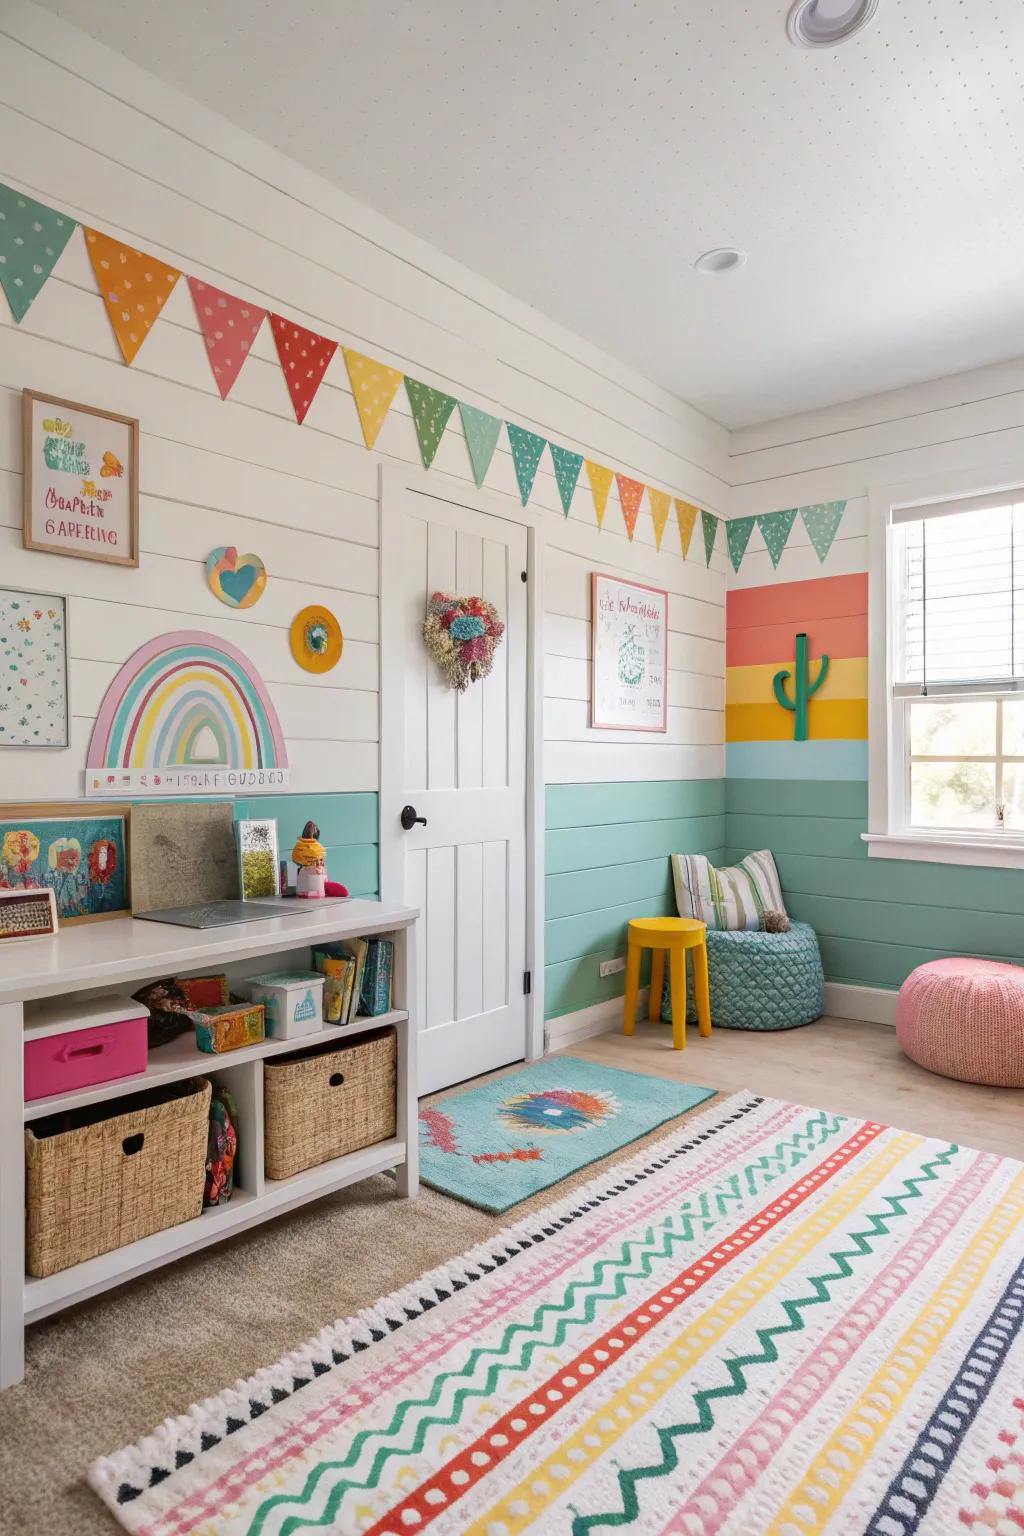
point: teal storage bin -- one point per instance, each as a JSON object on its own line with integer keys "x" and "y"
{"x": 766, "y": 981}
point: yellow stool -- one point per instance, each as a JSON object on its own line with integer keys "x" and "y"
{"x": 676, "y": 935}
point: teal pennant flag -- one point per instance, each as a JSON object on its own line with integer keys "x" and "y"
{"x": 776, "y": 528}
{"x": 737, "y": 533}
{"x": 822, "y": 523}
{"x": 527, "y": 448}
{"x": 567, "y": 472}
{"x": 32, "y": 238}
{"x": 481, "y": 431}
{"x": 431, "y": 409}
{"x": 709, "y": 528}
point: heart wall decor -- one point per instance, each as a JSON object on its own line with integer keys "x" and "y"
{"x": 462, "y": 635}
{"x": 235, "y": 579}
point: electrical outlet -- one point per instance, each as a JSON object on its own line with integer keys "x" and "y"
{"x": 609, "y": 967}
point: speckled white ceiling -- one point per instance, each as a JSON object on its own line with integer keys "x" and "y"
{"x": 582, "y": 154}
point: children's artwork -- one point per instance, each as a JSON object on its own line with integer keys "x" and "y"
{"x": 257, "y": 858}
{"x": 33, "y": 670}
{"x": 237, "y": 580}
{"x": 81, "y": 484}
{"x": 80, "y": 856}
{"x": 316, "y": 639}
{"x": 187, "y": 714}
{"x": 628, "y": 655}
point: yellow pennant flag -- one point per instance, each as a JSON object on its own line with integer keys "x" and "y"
{"x": 600, "y": 484}
{"x": 373, "y": 388}
{"x": 659, "y": 501}
{"x": 686, "y": 516}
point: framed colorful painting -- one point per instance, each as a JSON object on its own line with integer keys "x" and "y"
{"x": 628, "y": 655}
{"x": 81, "y": 484}
{"x": 33, "y": 670}
{"x": 80, "y": 856}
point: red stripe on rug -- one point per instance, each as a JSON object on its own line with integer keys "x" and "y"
{"x": 514, "y": 1428}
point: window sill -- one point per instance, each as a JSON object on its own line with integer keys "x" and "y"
{"x": 930, "y": 848}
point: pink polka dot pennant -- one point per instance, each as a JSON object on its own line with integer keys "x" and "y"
{"x": 304, "y": 357}
{"x": 229, "y": 326}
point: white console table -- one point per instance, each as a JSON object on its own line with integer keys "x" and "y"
{"x": 119, "y": 956}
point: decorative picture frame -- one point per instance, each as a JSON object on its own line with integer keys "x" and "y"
{"x": 628, "y": 655}
{"x": 258, "y": 857}
{"x": 79, "y": 853}
{"x": 35, "y": 707}
{"x": 30, "y": 914}
{"x": 81, "y": 480}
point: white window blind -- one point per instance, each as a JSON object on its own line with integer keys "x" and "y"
{"x": 960, "y": 597}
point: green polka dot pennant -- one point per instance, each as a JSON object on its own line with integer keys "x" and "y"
{"x": 737, "y": 533}
{"x": 32, "y": 238}
{"x": 431, "y": 409}
{"x": 709, "y": 528}
{"x": 776, "y": 528}
{"x": 481, "y": 431}
{"x": 567, "y": 472}
{"x": 527, "y": 448}
{"x": 822, "y": 523}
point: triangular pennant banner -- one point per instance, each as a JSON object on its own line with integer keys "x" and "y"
{"x": 776, "y": 528}
{"x": 659, "y": 505}
{"x": 631, "y": 494}
{"x": 686, "y": 517}
{"x": 737, "y": 533}
{"x": 567, "y": 472}
{"x": 32, "y": 238}
{"x": 304, "y": 357}
{"x": 431, "y": 409}
{"x": 600, "y": 484}
{"x": 229, "y": 328}
{"x": 709, "y": 528}
{"x": 822, "y": 523}
{"x": 481, "y": 431}
{"x": 374, "y": 386}
{"x": 527, "y": 448}
{"x": 135, "y": 288}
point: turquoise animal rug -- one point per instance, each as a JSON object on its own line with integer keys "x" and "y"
{"x": 498, "y": 1144}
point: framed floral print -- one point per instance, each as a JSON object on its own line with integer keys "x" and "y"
{"x": 33, "y": 670}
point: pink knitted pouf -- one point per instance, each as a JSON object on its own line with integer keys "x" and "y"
{"x": 965, "y": 1019}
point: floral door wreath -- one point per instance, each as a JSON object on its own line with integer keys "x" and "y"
{"x": 462, "y": 635}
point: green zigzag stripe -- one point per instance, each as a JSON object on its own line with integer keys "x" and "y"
{"x": 771, "y": 1164}
{"x": 628, "y": 1478}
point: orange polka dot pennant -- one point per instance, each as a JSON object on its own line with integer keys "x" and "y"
{"x": 229, "y": 326}
{"x": 631, "y": 494}
{"x": 374, "y": 386}
{"x": 600, "y": 484}
{"x": 304, "y": 357}
{"x": 135, "y": 288}
{"x": 686, "y": 517}
{"x": 659, "y": 505}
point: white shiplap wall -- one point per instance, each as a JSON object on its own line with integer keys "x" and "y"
{"x": 90, "y": 134}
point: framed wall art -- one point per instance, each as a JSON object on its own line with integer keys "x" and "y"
{"x": 628, "y": 655}
{"x": 81, "y": 483}
{"x": 78, "y": 854}
{"x": 33, "y": 669}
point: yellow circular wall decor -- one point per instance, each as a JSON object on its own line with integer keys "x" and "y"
{"x": 316, "y": 639}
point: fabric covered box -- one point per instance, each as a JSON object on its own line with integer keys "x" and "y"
{"x": 76, "y": 1042}
{"x": 229, "y": 1027}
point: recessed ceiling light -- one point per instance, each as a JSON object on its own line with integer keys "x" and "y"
{"x": 725, "y": 258}
{"x": 824, "y": 23}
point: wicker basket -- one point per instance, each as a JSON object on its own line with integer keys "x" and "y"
{"x": 95, "y": 1181}
{"x": 322, "y": 1103}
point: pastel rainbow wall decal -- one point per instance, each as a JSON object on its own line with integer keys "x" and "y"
{"x": 185, "y": 714}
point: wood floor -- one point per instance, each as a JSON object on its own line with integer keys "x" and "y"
{"x": 838, "y": 1064}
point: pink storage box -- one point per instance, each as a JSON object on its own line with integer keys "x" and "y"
{"x": 74, "y": 1043}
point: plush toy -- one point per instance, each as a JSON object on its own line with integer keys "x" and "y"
{"x": 774, "y": 921}
{"x": 310, "y": 856}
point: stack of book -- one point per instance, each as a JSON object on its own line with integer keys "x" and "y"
{"x": 357, "y": 978}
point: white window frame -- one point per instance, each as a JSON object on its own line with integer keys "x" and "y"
{"x": 889, "y": 835}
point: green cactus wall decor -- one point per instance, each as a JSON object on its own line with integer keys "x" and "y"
{"x": 803, "y": 689}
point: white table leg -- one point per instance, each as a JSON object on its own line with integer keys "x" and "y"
{"x": 12, "y": 1197}
{"x": 408, "y": 1176}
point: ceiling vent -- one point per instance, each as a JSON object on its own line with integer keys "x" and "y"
{"x": 824, "y": 23}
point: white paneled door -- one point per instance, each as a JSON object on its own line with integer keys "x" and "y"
{"x": 459, "y": 765}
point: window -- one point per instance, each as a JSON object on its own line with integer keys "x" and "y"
{"x": 952, "y": 714}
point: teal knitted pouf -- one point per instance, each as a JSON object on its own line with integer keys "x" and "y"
{"x": 761, "y": 980}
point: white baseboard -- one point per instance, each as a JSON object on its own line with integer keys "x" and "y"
{"x": 875, "y": 1004}
{"x": 599, "y": 1019}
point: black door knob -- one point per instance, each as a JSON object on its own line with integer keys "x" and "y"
{"x": 409, "y": 818}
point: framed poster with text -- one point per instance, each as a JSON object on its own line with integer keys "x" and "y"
{"x": 628, "y": 655}
{"x": 81, "y": 493}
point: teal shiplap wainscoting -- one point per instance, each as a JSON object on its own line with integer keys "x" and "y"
{"x": 876, "y": 919}
{"x": 607, "y": 860}
{"x": 348, "y": 831}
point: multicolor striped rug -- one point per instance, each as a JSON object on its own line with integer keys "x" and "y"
{"x": 774, "y": 1321}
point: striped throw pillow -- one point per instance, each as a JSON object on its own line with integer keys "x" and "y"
{"x": 727, "y": 898}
